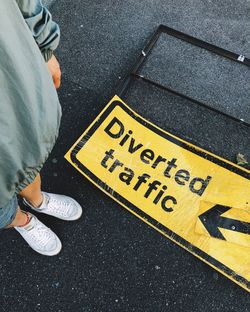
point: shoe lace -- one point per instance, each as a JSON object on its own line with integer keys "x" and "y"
{"x": 40, "y": 235}
{"x": 58, "y": 206}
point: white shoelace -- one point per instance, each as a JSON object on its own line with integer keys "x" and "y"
{"x": 40, "y": 235}
{"x": 59, "y": 207}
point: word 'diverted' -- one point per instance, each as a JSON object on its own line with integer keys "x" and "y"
{"x": 195, "y": 198}
{"x": 115, "y": 130}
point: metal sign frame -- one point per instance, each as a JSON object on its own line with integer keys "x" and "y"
{"x": 134, "y": 72}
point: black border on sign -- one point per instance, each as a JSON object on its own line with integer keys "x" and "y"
{"x": 195, "y": 250}
{"x": 134, "y": 71}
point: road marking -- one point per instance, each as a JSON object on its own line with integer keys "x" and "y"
{"x": 179, "y": 189}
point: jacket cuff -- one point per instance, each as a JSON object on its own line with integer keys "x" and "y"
{"x": 47, "y": 54}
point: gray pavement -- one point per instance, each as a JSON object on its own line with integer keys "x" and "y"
{"x": 111, "y": 261}
{"x": 48, "y": 2}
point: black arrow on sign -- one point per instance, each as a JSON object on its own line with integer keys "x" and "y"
{"x": 212, "y": 220}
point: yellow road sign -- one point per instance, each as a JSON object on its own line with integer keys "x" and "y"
{"x": 197, "y": 199}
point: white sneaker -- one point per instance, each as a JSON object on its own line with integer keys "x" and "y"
{"x": 40, "y": 238}
{"x": 59, "y": 206}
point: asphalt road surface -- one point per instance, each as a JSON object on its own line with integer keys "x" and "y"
{"x": 112, "y": 261}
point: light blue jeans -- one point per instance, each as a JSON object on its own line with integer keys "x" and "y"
{"x": 8, "y": 212}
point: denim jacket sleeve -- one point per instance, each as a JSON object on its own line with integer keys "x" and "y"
{"x": 39, "y": 20}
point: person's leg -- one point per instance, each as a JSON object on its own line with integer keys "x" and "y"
{"x": 37, "y": 235}
{"x": 21, "y": 219}
{"x": 32, "y": 193}
{"x": 11, "y": 215}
